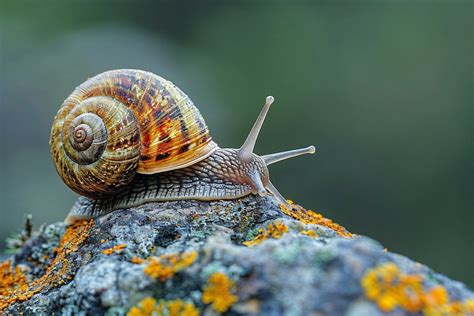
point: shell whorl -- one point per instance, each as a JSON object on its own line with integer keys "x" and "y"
{"x": 122, "y": 122}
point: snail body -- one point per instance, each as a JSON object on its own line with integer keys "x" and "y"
{"x": 127, "y": 137}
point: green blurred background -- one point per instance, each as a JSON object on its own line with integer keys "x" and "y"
{"x": 382, "y": 89}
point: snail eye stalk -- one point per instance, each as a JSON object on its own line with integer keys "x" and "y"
{"x": 246, "y": 152}
{"x": 276, "y": 157}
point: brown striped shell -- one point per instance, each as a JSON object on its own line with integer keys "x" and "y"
{"x": 121, "y": 122}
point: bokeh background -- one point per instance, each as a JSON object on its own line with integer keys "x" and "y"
{"x": 383, "y": 89}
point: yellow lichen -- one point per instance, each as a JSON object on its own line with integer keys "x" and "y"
{"x": 57, "y": 273}
{"x": 309, "y": 217}
{"x": 149, "y": 306}
{"x": 218, "y": 292}
{"x": 390, "y": 288}
{"x": 166, "y": 266}
{"x": 468, "y": 306}
{"x": 146, "y": 307}
{"x": 310, "y": 233}
{"x": 116, "y": 248}
{"x": 273, "y": 231}
{"x": 137, "y": 260}
{"x": 180, "y": 308}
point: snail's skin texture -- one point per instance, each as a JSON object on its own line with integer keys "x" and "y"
{"x": 127, "y": 137}
{"x": 218, "y": 177}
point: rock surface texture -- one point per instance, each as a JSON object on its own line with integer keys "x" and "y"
{"x": 245, "y": 257}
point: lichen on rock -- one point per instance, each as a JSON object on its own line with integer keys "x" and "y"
{"x": 391, "y": 288}
{"x": 218, "y": 292}
{"x": 244, "y": 257}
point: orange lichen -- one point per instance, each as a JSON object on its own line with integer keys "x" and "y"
{"x": 11, "y": 279}
{"x": 137, "y": 260}
{"x": 57, "y": 273}
{"x": 146, "y": 307}
{"x": 116, "y": 248}
{"x": 309, "y": 217}
{"x": 273, "y": 231}
{"x": 149, "y": 306}
{"x": 310, "y": 233}
{"x": 180, "y": 308}
{"x": 390, "y": 288}
{"x": 218, "y": 292}
{"x": 468, "y": 306}
{"x": 166, "y": 265}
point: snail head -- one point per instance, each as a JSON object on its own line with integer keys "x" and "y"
{"x": 256, "y": 167}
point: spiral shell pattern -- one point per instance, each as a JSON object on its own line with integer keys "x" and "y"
{"x": 121, "y": 122}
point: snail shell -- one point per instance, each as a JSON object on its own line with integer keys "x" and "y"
{"x": 124, "y": 122}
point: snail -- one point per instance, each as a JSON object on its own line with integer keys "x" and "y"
{"x": 127, "y": 137}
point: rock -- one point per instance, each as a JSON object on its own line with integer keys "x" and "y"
{"x": 244, "y": 257}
